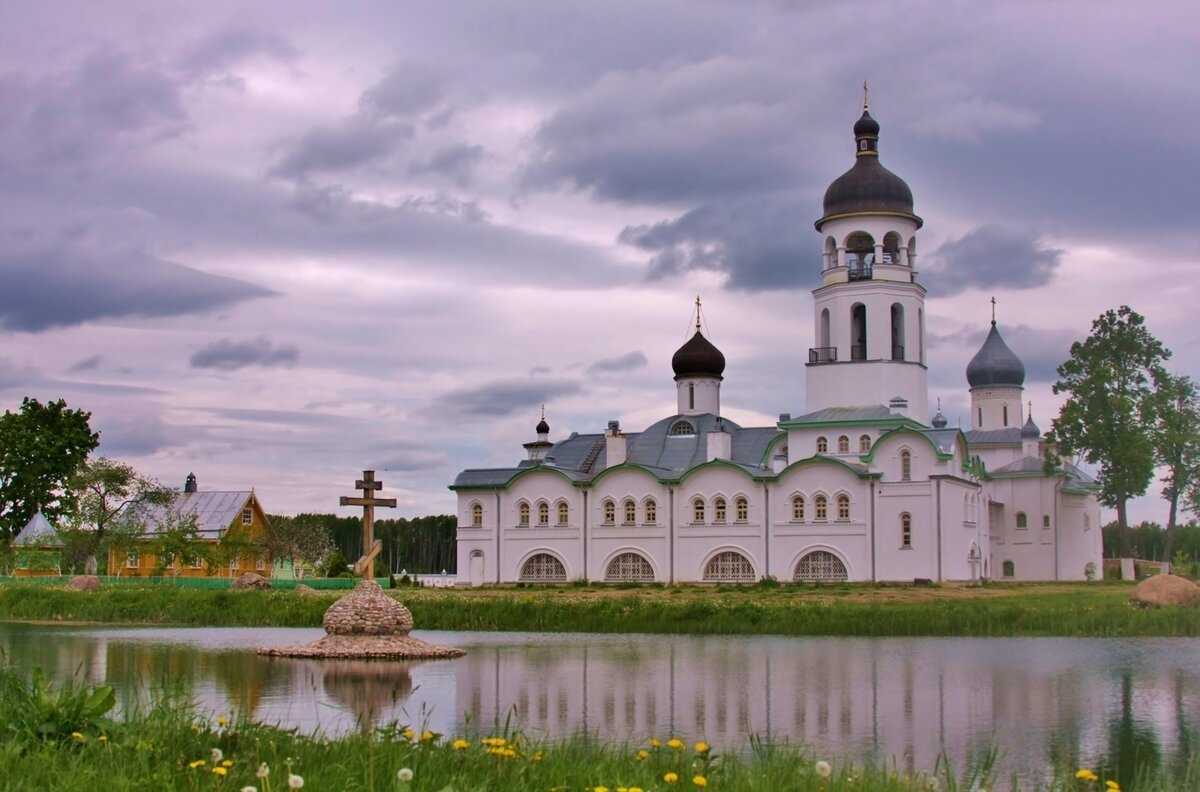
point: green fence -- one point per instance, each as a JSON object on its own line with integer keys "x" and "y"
{"x": 192, "y": 582}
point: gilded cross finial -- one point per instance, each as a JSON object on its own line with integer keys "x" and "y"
{"x": 543, "y": 412}
{"x": 697, "y": 313}
{"x": 939, "y": 398}
{"x": 866, "y": 95}
{"x": 993, "y": 310}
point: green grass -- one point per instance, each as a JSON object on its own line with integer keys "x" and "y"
{"x": 169, "y": 747}
{"x": 1077, "y": 610}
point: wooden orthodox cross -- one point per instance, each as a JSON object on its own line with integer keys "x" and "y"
{"x": 371, "y": 546}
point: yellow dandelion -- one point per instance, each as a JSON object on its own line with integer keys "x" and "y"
{"x": 222, "y": 721}
{"x": 77, "y": 737}
{"x": 1112, "y": 786}
{"x": 636, "y": 789}
{"x": 654, "y": 743}
{"x": 220, "y": 771}
{"x": 426, "y": 736}
{"x": 699, "y": 781}
{"x": 227, "y": 763}
{"x": 643, "y": 755}
{"x": 197, "y": 763}
{"x": 460, "y": 745}
{"x": 675, "y": 743}
{"x": 407, "y": 734}
{"x": 701, "y": 747}
{"x": 102, "y": 738}
{"x": 671, "y": 778}
{"x": 600, "y": 789}
{"x": 1086, "y": 775}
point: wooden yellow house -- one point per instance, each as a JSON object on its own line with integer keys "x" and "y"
{"x": 220, "y": 515}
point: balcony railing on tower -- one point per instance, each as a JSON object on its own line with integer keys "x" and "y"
{"x": 858, "y": 351}
{"x": 822, "y": 355}
{"x": 897, "y": 352}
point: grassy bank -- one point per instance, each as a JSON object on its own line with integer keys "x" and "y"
{"x": 1096, "y": 609}
{"x": 65, "y": 741}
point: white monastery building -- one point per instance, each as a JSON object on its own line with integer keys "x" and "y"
{"x": 858, "y": 488}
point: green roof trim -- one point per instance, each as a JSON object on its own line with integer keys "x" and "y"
{"x": 869, "y": 457}
{"x": 897, "y": 422}
{"x": 715, "y": 463}
{"x": 616, "y": 468}
{"x": 817, "y": 459}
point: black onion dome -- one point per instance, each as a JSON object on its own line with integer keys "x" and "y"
{"x": 939, "y": 420}
{"x": 868, "y": 186}
{"x": 543, "y": 427}
{"x": 1030, "y": 430}
{"x": 995, "y": 364}
{"x": 698, "y": 358}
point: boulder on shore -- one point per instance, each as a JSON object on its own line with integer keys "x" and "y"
{"x": 250, "y": 580}
{"x": 84, "y": 583}
{"x": 1164, "y": 590}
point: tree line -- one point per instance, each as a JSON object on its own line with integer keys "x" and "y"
{"x": 420, "y": 544}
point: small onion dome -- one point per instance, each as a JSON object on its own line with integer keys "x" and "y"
{"x": 543, "y": 427}
{"x": 939, "y": 420}
{"x": 868, "y": 186}
{"x": 698, "y": 358}
{"x": 1030, "y": 430}
{"x": 995, "y": 365}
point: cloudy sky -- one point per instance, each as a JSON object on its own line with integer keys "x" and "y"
{"x": 276, "y": 243}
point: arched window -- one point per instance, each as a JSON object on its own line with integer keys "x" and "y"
{"x": 698, "y": 510}
{"x": 864, "y": 444}
{"x": 843, "y": 445}
{"x": 905, "y": 465}
{"x": 682, "y": 428}
{"x": 824, "y": 333}
{"x": 1009, "y": 568}
{"x": 897, "y": 331}
{"x": 729, "y": 567}
{"x": 843, "y": 506}
{"x": 921, "y": 335}
{"x": 891, "y": 248}
{"x": 651, "y": 512}
{"x": 1022, "y": 520}
{"x": 858, "y": 332}
{"x": 741, "y": 509}
{"x": 797, "y": 508}
{"x": 543, "y": 568}
{"x": 523, "y": 512}
{"x": 691, "y": 395}
{"x": 830, "y": 252}
{"x": 610, "y": 512}
{"x": 719, "y": 510}
{"x": 543, "y": 513}
{"x": 1045, "y": 520}
{"x": 819, "y": 566}
{"x": 905, "y": 529}
{"x": 564, "y": 513}
{"x": 630, "y": 512}
{"x": 822, "y": 507}
{"x": 629, "y": 568}
{"x": 1004, "y": 409}
{"x": 822, "y": 445}
{"x": 979, "y": 413}
{"x": 476, "y": 515}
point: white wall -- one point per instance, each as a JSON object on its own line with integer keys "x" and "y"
{"x": 991, "y": 403}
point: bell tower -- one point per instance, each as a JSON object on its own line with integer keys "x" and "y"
{"x": 869, "y": 310}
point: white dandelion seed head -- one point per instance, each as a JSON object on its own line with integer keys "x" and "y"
{"x": 217, "y": 755}
{"x": 263, "y": 770}
{"x": 295, "y": 782}
{"x": 404, "y": 774}
{"x": 823, "y": 768}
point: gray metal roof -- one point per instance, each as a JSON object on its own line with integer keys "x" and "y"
{"x": 215, "y": 511}
{"x": 1010, "y": 435}
{"x": 38, "y": 532}
{"x": 1024, "y": 465}
{"x": 944, "y": 439}
{"x": 869, "y": 412}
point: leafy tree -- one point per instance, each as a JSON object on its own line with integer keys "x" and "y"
{"x": 177, "y": 542}
{"x": 303, "y": 539}
{"x": 1176, "y": 436}
{"x": 100, "y": 489}
{"x": 1110, "y": 406}
{"x": 41, "y": 447}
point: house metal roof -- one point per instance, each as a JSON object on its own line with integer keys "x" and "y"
{"x": 215, "y": 511}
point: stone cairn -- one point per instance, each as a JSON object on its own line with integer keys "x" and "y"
{"x": 366, "y": 623}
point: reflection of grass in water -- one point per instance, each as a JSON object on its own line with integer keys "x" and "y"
{"x": 1096, "y": 609}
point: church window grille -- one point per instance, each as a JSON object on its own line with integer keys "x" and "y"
{"x": 1045, "y": 520}
{"x": 476, "y": 515}
{"x": 822, "y": 507}
{"x": 698, "y": 510}
{"x": 864, "y": 444}
{"x": 719, "y": 510}
{"x": 822, "y": 445}
{"x": 543, "y": 568}
{"x": 680, "y": 428}
{"x": 742, "y": 509}
{"x": 629, "y": 568}
{"x": 843, "y": 507}
{"x": 843, "y": 445}
{"x": 564, "y": 513}
{"x": 905, "y": 465}
{"x": 610, "y": 512}
{"x": 1009, "y": 568}
{"x": 797, "y": 508}
{"x": 523, "y": 513}
{"x": 820, "y": 566}
{"x": 1022, "y": 520}
{"x": 905, "y": 529}
{"x": 651, "y": 512}
{"x": 630, "y": 512}
{"x": 729, "y": 567}
{"x": 543, "y": 513}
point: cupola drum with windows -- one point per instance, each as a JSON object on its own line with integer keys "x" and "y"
{"x": 869, "y": 311}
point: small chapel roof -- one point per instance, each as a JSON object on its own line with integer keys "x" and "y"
{"x": 38, "y": 532}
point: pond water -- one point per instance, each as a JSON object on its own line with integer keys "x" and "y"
{"x": 1084, "y": 701}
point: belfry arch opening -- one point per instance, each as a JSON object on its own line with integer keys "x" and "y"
{"x": 823, "y": 341}
{"x": 897, "y": 331}
{"x": 891, "y": 248}
{"x": 858, "y": 332}
{"x": 860, "y": 255}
